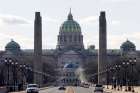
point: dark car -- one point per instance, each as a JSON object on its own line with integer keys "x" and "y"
{"x": 62, "y": 88}
{"x": 98, "y": 88}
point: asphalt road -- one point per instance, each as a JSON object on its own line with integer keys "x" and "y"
{"x": 52, "y": 90}
{"x": 68, "y": 90}
{"x": 83, "y": 90}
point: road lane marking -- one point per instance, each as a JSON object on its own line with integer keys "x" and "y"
{"x": 69, "y": 90}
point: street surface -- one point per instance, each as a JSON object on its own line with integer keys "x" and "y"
{"x": 78, "y": 90}
{"x": 52, "y": 90}
{"x": 72, "y": 89}
{"x": 68, "y": 90}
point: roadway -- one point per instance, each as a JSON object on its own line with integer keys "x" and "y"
{"x": 78, "y": 90}
{"x": 68, "y": 90}
{"x": 51, "y": 90}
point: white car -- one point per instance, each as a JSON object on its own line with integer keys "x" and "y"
{"x": 98, "y": 89}
{"x": 86, "y": 85}
{"x": 32, "y": 88}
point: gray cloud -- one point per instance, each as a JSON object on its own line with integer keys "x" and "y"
{"x": 49, "y": 19}
{"x": 89, "y": 19}
{"x": 12, "y": 20}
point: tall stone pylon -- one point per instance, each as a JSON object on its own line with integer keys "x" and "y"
{"x": 102, "y": 54}
{"x": 38, "y": 49}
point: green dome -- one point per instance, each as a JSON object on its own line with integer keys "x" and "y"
{"x": 70, "y": 25}
{"x": 128, "y": 44}
{"x": 12, "y": 45}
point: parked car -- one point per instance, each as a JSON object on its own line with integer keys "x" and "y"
{"x": 98, "y": 88}
{"x": 32, "y": 88}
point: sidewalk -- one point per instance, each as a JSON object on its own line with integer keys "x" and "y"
{"x": 110, "y": 90}
{"x": 18, "y": 92}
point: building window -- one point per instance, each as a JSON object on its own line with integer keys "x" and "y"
{"x": 79, "y": 38}
{"x": 70, "y": 80}
{"x": 60, "y": 38}
{"x": 65, "y": 40}
{"x": 70, "y": 38}
{"x": 75, "y": 38}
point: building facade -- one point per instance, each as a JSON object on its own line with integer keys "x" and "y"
{"x": 66, "y": 58}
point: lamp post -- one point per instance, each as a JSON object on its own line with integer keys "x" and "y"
{"x": 2, "y": 80}
{"x": 125, "y": 64}
{"x": 29, "y": 73}
{"x": 112, "y": 76}
{"x": 117, "y": 73}
{"x": 22, "y": 75}
{"x": 14, "y": 65}
{"x": 22, "y": 68}
{"x": 132, "y": 63}
{"x": 25, "y": 71}
{"x": 107, "y": 76}
{"x": 8, "y": 63}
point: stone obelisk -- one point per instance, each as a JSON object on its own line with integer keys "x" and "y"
{"x": 102, "y": 54}
{"x": 38, "y": 48}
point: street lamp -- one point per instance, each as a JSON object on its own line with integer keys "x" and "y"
{"x": 107, "y": 76}
{"x": 14, "y": 65}
{"x": 27, "y": 69}
{"x": 7, "y": 63}
{"x": 125, "y": 64}
{"x": 112, "y": 69}
{"x": 132, "y": 63}
{"x": 26, "y": 72}
{"x": 118, "y": 78}
{"x": 22, "y": 69}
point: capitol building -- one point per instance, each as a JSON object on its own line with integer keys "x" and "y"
{"x": 69, "y": 55}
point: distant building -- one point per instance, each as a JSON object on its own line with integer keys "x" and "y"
{"x": 70, "y": 76}
{"x": 67, "y": 57}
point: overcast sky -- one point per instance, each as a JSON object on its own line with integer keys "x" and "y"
{"x": 17, "y": 16}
